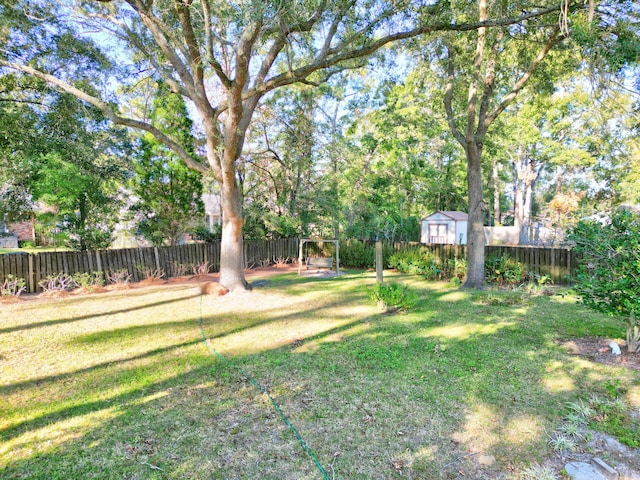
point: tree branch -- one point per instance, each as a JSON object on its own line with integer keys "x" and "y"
{"x": 554, "y": 39}
{"x": 448, "y": 97}
{"x": 489, "y": 79}
{"x": 334, "y": 57}
{"x": 110, "y": 113}
{"x": 217, "y": 67}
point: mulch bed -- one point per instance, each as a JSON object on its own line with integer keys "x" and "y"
{"x": 597, "y": 349}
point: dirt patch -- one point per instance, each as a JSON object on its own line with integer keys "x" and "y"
{"x": 10, "y": 299}
{"x": 597, "y": 349}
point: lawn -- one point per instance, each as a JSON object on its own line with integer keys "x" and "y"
{"x": 33, "y": 250}
{"x": 121, "y": 385}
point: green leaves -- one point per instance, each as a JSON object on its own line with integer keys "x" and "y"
{"x": 608, "y": 277}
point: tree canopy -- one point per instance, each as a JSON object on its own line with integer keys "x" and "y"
{"x": 259, "y": 78}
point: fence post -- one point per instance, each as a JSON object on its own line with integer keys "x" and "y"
{"x": 99, "y": 262}
{"x": 31, "y": 281}
{"x": 379, "y": 274}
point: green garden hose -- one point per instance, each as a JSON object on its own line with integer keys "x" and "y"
{"x": 264, "y": 391}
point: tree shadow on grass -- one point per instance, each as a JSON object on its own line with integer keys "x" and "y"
{"x": 48, "y": 323}
{"x": 418, "y": 394}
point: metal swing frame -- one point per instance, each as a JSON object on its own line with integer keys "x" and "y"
{"x": 322, "y": 263}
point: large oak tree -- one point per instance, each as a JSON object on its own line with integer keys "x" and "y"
{"x": 223, "y": 58}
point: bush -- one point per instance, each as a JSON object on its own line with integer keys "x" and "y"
{"x": 58, "y": 283}
{"x": 89, "y": 281}
{"x": 203, "y": 234}
{"x": 120, "y": 277}
{"x": 416, "y": 262}
{"x": 13, "y": 286}
{"x": 504, "y": 270}
{"x": 608, "y": 272}
{"x": 393, "y": 296}
{"x": 356, "y": 254}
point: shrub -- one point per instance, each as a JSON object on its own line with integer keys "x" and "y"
{"x": 356, "y": 254}
{"x": 119, "y": 277}
{"x": 89, "y": 281}
{"x": 181, "y": 269}
{"x": 608, "y": 272}
{"x": 203, "y": 234}
{"x": 454, "y": 268}
{"x": 393, "y": 296}
{"x": 504, "y": 270}
{"x": 13, "y": 286}
{"x": 150, "y": 273}
{"x": 201, "y": 268}
{"x": 59, "y": 282}
{"x": 416, "y": 262}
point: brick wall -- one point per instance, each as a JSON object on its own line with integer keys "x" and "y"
{"x": 24, "y": 230}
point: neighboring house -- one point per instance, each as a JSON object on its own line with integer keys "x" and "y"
{"x": 447, "y": 227}
{"x": 7, "y": 238}
{"x": 25, "y": 230}
{"x": 212, "y": 209}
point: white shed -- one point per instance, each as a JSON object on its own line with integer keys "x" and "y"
{"x": 445, "y": 227}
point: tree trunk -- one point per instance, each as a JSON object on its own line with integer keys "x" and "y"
{"x": 475, "y": 227}
{"x": 527, "y": 207}
{"x": 497, "y": 220}
{"x": 633, "y": 334}
{"x": 231, "y": 244}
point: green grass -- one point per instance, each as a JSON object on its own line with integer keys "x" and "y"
{"x": 121, "y": 385}
{"x": 33, "y": 250}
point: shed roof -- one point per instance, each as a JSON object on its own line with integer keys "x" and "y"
{"x": 452, "y": 214}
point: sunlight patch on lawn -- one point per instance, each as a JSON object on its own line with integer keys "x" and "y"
{"x": 463, "y": 331}
{"x": 522, "y": 429}
{"x": 486, "y": 428}
{"x": 46, "y": 439}
{"x": 314, "y": 345}
{"x": 633, "y": 396}
{"x": 456, "y": 296}
{"x": 557, "y": 379}
{"x": 278, "y": 333}
{"x": 480, "y": 431}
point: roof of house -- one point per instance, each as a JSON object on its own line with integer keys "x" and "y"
{"x": 452, "y": 214}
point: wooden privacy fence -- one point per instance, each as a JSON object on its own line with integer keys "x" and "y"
{"x": 556, "y": 263}
{"x": 559, "y": 264}
{"x": 138, "y": 262}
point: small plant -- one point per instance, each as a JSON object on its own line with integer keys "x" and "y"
{"x": 201, "y": 268}
{"x": 504, "y": 270}
{"x": 393, "y": 296}
{"x": 119, "y": 277}
{"x": 265, "y": 262}
{"x": 505, "y": 299}
{"x": 454, "y": 282}
{"x": 572, "y": 430}
{"x": 60, "y": 282}
{"x": 13, "y": 286}
{"x": 538, "y": 472}
{"x": 581, "y": 409}
{"x": 89, "y": 281}
{"x": 181, "y": 269}
{"x": 151, "y": 273}
{"x": 612, "y": 416}
{"x": 562, "y": 443}
{"x": 280, "y": 262}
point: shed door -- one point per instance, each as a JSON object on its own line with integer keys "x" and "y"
{"x": 437, "y": 233}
